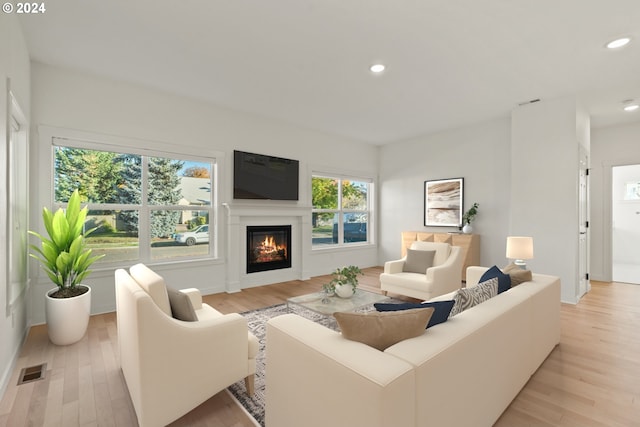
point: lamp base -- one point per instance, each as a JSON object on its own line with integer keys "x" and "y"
{"x": 521, "y": 263}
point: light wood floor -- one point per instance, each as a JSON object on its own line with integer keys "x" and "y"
{"x": 591, "y": 379}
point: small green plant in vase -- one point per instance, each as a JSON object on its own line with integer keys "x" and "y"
{"x": 468, "y": 217}
{"x": 344, "y": 282}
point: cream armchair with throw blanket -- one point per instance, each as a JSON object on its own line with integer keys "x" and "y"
{"x": 429, "y": 269}
{"x": 171, "y": 366}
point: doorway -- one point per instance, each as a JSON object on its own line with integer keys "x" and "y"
{"x": 625, "y": 223}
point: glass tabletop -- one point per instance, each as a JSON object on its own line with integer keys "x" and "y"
{"x": 320, "y": 303}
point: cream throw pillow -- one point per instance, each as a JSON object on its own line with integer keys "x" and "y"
{"x": 181, "y": 307}
{"x": 383, "y": 329}
{"x": 418, "y": 261}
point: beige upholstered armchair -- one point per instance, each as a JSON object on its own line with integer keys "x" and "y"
{"x": 171, "y": 366}
{"x": 429, "y": 269}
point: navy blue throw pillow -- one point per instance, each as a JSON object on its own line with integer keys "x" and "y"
{"x": 504, "y": 280}
{"x": 440, "y": 313}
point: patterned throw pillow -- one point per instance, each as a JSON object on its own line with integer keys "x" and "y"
{"x": 468, "y": 297}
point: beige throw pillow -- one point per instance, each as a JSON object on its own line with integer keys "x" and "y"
{"x": 517, "y": 274}
{"x": 383, "y": 329}
{"x": 418, "y": 261}
{"x": 181, "y": 307}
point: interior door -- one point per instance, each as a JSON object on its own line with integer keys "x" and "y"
{"x": 583, "y": 212}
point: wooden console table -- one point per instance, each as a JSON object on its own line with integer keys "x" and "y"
{"x": 470, "y": 244}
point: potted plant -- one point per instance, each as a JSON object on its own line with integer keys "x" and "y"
{"x": 66, "y": 260}
{"x": 344, "y": 282}
{"x": 468, "y": 217}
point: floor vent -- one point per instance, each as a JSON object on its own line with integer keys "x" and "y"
{"x": 32, "y": 373}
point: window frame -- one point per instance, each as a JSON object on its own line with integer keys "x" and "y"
{"x": 128, "y": 146}
{"x": 342, "y": 212}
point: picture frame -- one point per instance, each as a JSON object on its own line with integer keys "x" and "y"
{"x": 443, "y": 202}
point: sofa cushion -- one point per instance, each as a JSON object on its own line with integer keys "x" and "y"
{"x": 468, "y": 297}
{"x": 181, "y": 307}
{"x": 504, "y": 281}
{"x": 517, "y": 274}
{"x": 418, "y": 261}
{"x": 383, "y": 329}
{"x": 440, "y": 314}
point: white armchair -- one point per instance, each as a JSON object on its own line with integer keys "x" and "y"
{"x": 443, "y": 277}
{"x": 171, "y": 366}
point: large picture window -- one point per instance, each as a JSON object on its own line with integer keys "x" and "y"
{"x": 341, "y": 212}
{"x": 144, "y": 207}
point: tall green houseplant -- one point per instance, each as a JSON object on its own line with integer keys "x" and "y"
{"x": 64, "y": 255}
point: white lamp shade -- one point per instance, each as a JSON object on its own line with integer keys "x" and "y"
{"x": 519, "y": 247}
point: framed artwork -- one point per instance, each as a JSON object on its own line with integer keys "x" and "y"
{"x": 443, "y": 202}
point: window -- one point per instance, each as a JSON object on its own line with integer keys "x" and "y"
{"x": 143, "y": 207}
{"x": 341, "y": 212}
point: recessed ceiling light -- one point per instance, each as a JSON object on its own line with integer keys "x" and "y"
{"x": 377, "y": 68}
{"x": 631, "y": 107}
{"x": 614, "y": 44}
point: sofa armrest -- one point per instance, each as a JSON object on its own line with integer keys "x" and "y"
{"x": 195, "y": 296}
{"x": 314, "y": 370}
{"x": 474, "y": 273}
{"x": 393, "y": 267}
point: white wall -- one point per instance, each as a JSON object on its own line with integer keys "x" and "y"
{"x": 544, "y": 186}
{"x": 610, "y": 146}
{"x": 149, "y": 118}
{"x": 480, "y": 154}
{"x": 14, "y": 64}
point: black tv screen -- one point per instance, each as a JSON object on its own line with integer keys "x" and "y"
{"x": 256, "y": 176}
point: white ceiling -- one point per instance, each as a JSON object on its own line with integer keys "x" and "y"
{"x": 449, "y": 62}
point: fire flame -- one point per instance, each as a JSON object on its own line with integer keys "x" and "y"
{"x": 269, "y": 245}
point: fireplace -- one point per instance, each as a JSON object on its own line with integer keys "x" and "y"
{"x": 268, "y": 247}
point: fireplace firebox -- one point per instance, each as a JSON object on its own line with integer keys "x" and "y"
{"x": 268, "y": 247}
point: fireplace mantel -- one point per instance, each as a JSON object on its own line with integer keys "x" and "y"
{"x": 241, "y": 215}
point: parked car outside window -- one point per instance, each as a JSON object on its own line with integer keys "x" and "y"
{"x": 197, "y": 235}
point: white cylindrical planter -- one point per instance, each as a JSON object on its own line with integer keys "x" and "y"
{"x": 67, "y": 318}
{"x": 467, "y": 229}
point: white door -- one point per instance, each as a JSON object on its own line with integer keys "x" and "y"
{"x": 625, "y": 214}
{"x": 583, "y": 240}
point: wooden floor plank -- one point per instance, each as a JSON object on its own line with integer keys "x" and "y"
{"x": 589, "y": 380}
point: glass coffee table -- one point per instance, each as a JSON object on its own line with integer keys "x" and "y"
{"x": 320, "y": 308}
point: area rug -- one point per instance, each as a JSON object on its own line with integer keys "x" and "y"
{"x": 256, "y": 321}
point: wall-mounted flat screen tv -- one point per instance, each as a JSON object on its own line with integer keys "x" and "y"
{"x": 257, "y": 176}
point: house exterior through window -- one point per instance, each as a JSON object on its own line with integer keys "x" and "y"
{"x": 342, "y": 212}
{"x": 146, "y": 207}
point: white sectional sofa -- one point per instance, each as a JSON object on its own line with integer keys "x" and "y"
{"x": 464, "y": 372}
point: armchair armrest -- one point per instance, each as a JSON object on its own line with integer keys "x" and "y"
{"x": 197, "y": 359}
{"x": 195, "y": 296}
{"x": 447, "y": 277}
{"x": 392, "y": 267}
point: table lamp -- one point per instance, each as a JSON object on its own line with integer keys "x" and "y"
{"x": 520, "y": 248}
